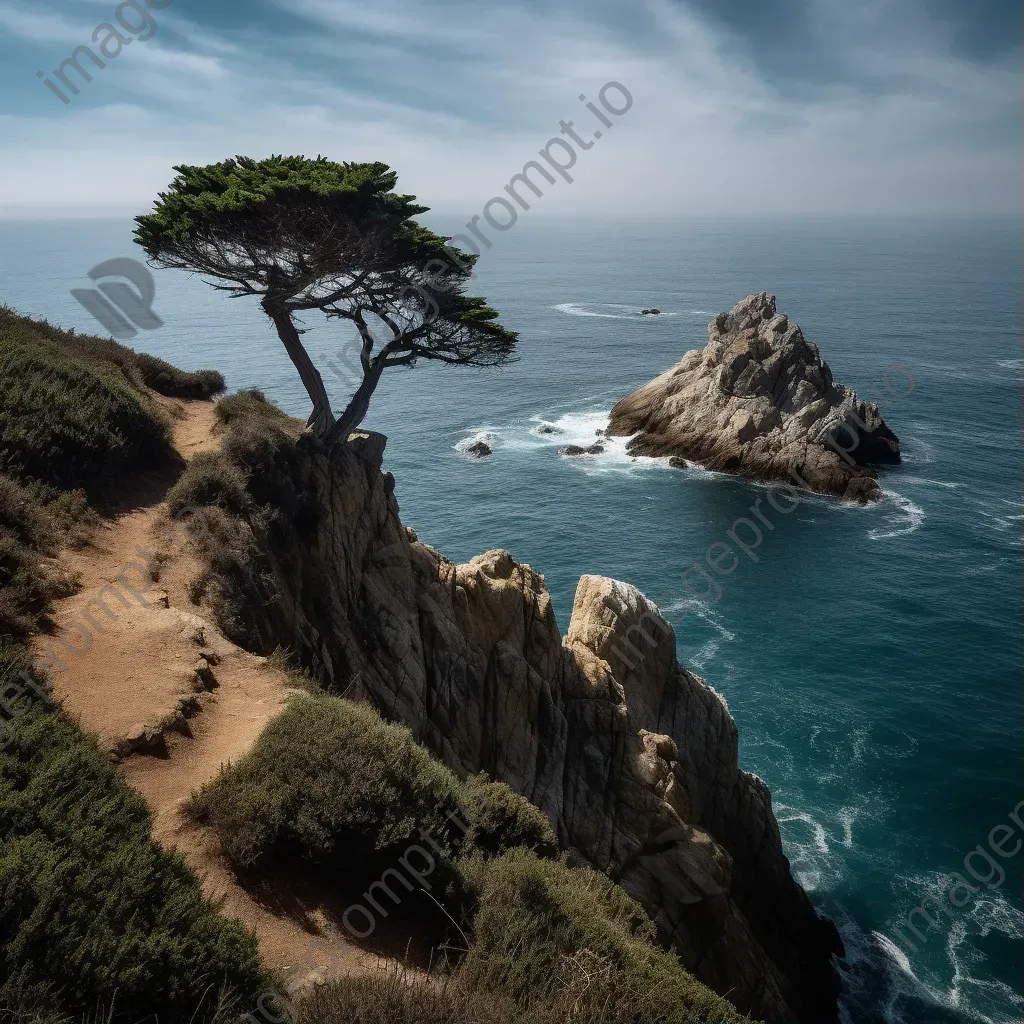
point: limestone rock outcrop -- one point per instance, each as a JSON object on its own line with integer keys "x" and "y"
{"x": 759, "y": 401}
{"x": 632, "y": 757}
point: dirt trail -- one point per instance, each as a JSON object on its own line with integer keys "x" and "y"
{"x": 135, "y": 664}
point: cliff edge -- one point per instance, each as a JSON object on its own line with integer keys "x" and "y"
{"x": 632, "y": 757}
{"x": 760, "y": 401}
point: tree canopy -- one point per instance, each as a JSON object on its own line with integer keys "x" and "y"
{"x": 335, "y": 237}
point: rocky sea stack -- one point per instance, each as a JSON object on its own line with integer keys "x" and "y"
{"x": 760, "y": 401}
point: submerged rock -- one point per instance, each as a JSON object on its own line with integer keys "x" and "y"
{"x": 650, "y": 312}
{"x": 574, "y": 449}
{"x": 759, "y": 401}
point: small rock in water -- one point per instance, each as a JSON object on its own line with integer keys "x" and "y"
{"x": 547, "y": 428}
{"x": 650, "y": 312}
{"x": 479, "y": 450}
{"x": 575, "y": 449}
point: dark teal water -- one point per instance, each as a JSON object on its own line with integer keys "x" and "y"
{"x": 870, "y": 656}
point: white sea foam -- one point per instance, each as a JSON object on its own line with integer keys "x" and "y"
{"x": 616, "y": 311}
{"x": 487, "y": 435}
{"x": 807, "y": 847}
{"x": 959, "y": 984}
{"x": 704, "y": 612}
{"x": 704, "y": 655}
{"x": 581, "y": 428}
{"x": 949, "y": 484}
{"x": 917, "y": 450}
{"x": 848, "y": 818}
{"x": 996, "y": 517}
{"x": 1010, "y": 364}
{"x": 905, "y": 518}
{"x": 880, "y": 982}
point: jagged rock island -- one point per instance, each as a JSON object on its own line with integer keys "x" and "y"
{"x": 759, "y": 401}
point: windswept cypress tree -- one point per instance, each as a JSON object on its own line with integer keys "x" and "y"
{"x": 318, "y": 235}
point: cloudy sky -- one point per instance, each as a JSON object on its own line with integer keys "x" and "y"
{"x": 740, "y": 106}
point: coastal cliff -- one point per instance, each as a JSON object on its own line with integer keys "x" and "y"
{"x": 632, "y": 758}
{"x": 759, "y": 401}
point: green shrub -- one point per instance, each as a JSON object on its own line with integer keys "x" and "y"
{"x": 330, "y": 779}
{"x": 235, "y": 579}
{"x": 503, "y": 820}
{"x": 138, "y": 368}
{"x": 29, "y": 584}
{"x": 69, "y": 512}
{"x": 397, "y": 996}
{"x": 394, "y": 995}
{"x": 251, "y": 403}
{"x": 209, "y": 479}
{"x": 168, "y": 380}
{"x": 541, "y": 928}
{"x": 66, "y": 420}
{"x": 93, "y": 913}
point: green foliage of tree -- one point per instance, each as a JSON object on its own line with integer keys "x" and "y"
{"x": 335, "y": 237}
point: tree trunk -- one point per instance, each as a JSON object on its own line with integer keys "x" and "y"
{"x": 321, "y": 419}
{"x": 357, "y": 409}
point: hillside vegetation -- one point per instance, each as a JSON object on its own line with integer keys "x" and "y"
{"x": 330, "y": 782}
{"x": 96, "y": 920}
{"x": 75, "y": 408}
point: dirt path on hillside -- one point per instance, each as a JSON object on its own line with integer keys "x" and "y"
{"x": 148, "y": 672}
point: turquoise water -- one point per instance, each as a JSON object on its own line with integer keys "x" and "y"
{"x": 870, "y": 656}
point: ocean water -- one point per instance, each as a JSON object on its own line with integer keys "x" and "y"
{"x": 871, "y": 656}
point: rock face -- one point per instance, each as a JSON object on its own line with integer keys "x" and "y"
{"x": 760, "y": 401}
{"x": 632, "y": 757}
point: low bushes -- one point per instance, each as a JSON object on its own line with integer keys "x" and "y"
{"x": 93, "y": 914}
{"x": 395, "y": 996}
{"x": 75, "y": 408}
{"x": 95, "y": 918}
{"x": 166, "y": 379}
{"x": 251, "y": 403}
{"x": 65, "y": 420}
{"x": 543, "y": 931}
{"x": 138, "y": 368}
{"x": 502, "y": 820}
{"x": 31, "y": 528}
{"x": 230, "y": 500}
{"x": 209, "y": 479}
{"x": 329, "y": 779}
